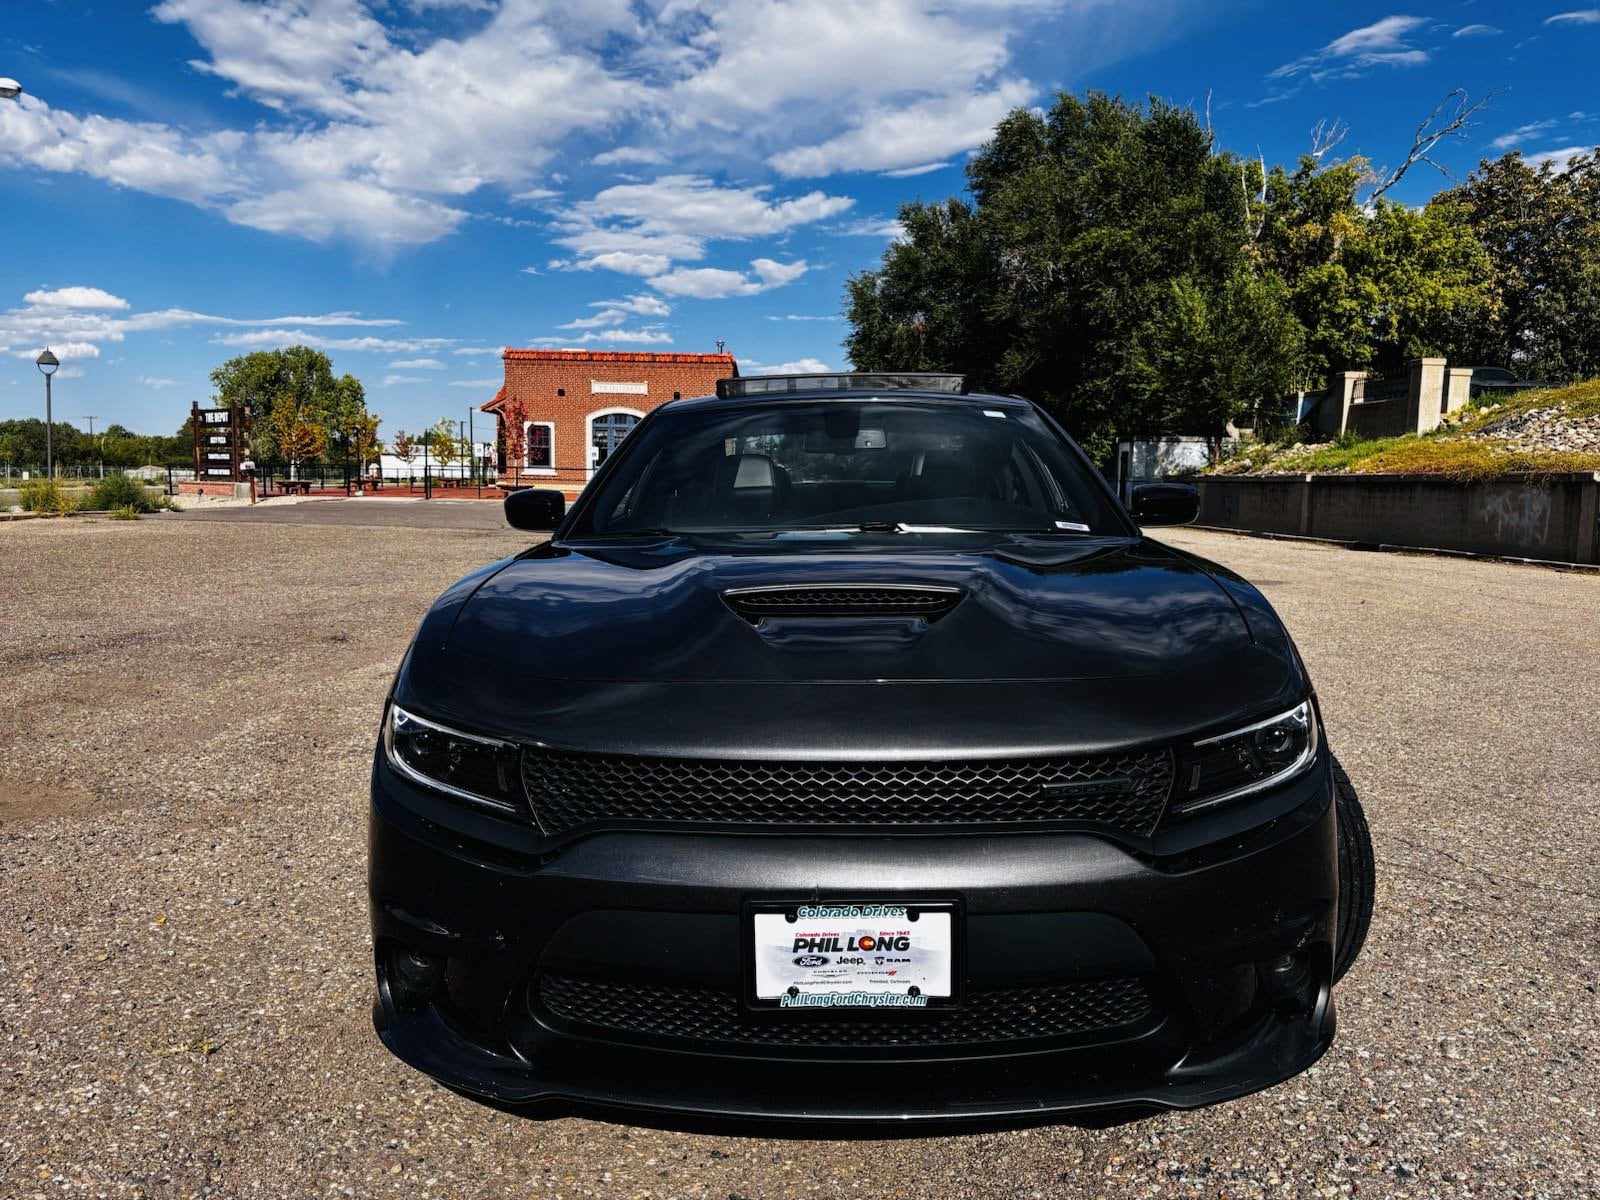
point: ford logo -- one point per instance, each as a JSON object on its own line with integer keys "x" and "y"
{"x": 811, "y": 960}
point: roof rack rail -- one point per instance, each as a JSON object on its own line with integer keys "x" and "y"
{"x": 842, "y": 381}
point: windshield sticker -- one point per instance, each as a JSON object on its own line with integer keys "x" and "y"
{"x": 1074, "y": 525}
{"x": 994, "y": 412}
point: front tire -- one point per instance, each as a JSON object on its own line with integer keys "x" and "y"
{"x": 1356, "y": 874}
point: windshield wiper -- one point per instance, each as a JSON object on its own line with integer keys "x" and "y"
{"x": 631, "y": 533}
{"x": 888, "y": 527}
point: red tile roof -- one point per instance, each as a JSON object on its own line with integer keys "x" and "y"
{"x": 499, "y": 398}
{"x": 639, "y": 356}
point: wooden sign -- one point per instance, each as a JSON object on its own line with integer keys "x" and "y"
{"x": 221, "y": 442}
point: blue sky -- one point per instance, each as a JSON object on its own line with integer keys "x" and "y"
{"x": 413, "y": 184}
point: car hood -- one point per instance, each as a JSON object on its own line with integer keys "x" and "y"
{"x": 1056, "y": 644}
{"x": 1029, "y": 610}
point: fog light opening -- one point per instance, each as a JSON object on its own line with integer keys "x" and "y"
{"x": 1288, "y": 982}
{"x": 415, "y": 977}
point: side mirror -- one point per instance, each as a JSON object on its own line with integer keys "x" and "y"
{"x": 1165, "y": 503}
{"x": 535, "y": 508}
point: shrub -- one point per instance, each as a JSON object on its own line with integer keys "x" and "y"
{"x": 126, "y": 513}
{"x": 118, "y": 491}
{"x": 43, "y": 496}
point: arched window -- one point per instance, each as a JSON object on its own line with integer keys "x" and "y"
{"x": 606, "y": 431}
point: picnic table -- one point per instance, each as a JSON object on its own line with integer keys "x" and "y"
{"x": 295, "y": 487}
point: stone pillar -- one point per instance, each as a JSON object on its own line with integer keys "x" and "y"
{"x": 1427, "y": 393}
{"x": 1457, "y": 388}
{"x": 1335, "y": 414}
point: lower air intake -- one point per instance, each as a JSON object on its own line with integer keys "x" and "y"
{"x": 658, "y": 1013}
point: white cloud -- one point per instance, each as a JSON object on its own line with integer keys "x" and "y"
{"x": 643, "y": 228}
{"x": 1561, "y": 159}
{"x": 639, "y": 304}
{"x": 392, "y": 380}
{"x": 416, "y": 364}
{"x": 158, "y": 384}
{"x": 770, "y": 56}
{"x": 477, "y": 385}
{"x": 74, "y": 321}
{"x": 1582, "y": 16}
{"x": 806, "y": 317}
{"x": 626, "y": 337}
{"x": 260, "y": 339}
{"x": 1383, "y": 43}
{"x": 65, "y": 351}
{"x": 1521, "y": 134}
{"x": 920, "y": 169}
{"x": 327, "y": 208}
{"x": 375, "y": 131}
{"x": 629, "y": 154}
{"x": 1467, "y": 31}
{"x": 75, "y": 297}
{"x": 885, "y": 227}
{"x": 715, "y": 283}
{"x": 910, "y": 137}
{"x": 467, "y": 351}
{"x": 799, "y": 366}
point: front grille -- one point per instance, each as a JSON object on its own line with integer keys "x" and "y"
{"x": 842, "y": 600}
{"x": 664, "y": 1013}
{"x": 1124, "y": 792}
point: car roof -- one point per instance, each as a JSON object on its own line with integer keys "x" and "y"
{"x": 885, "y": 395}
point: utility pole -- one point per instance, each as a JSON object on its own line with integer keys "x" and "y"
{"x": 90, "y": 418}
{"x": 472, "y": 448}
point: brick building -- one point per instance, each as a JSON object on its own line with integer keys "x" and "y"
{"x": 578, "y": 405}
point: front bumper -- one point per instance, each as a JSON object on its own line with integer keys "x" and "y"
{"x": 1231, "y": 943}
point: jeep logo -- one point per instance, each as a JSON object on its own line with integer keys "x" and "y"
{"x": 811, "y": 960}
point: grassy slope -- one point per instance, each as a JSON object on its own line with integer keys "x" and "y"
{"x": 1444, "y": 453}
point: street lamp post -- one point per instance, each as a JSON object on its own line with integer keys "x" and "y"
{"x": 47, "y": 364}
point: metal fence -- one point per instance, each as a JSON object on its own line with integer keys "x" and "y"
{"x": 428, "y": 479}
{"x": 15, "y": 474}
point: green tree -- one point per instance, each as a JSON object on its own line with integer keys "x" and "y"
{"x": 1102, "y": 268}
{"x": 295, "y": 431}
{"x": 263, "y": 378}
{"x": 1305, "y": 223}
{"x": 1424, "y": 280}
{"x": 442, "y": 444}
{"x": 1540, "y": 228}
{"x": 404, "y": 447}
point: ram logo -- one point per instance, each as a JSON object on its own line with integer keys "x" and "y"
{"x": 811, "y": 960}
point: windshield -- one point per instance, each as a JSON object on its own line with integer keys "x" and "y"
{"x": 904, "y": 466}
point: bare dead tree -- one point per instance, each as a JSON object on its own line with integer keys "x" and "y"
{"x": 1326, "y": 136}
{"x": 1443, "y": 122}
{"x": 1259, "y": 200}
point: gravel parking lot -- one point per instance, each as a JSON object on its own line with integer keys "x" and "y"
{"x": 184, "y": 967}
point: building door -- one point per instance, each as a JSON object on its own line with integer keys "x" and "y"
{"x": 606, "y": 431}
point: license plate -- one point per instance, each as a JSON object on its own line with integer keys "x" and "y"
{"x": 854, "y": 955}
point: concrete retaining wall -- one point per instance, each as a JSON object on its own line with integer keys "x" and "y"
{"x": 1553, "y": 518}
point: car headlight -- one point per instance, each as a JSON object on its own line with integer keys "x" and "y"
{"x": 480, "y": 770}
{"x": 1262, "y": 755}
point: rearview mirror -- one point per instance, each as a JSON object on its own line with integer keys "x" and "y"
{"x": 1165, "y": 503}
{"x": 535, "y": 508}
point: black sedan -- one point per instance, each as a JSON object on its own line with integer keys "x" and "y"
{"x": 849, "y": 755}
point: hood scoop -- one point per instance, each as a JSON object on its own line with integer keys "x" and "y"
{"x": 811, "y": 600}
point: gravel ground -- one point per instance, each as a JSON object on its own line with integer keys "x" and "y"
{"x": 185, "y": 975}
